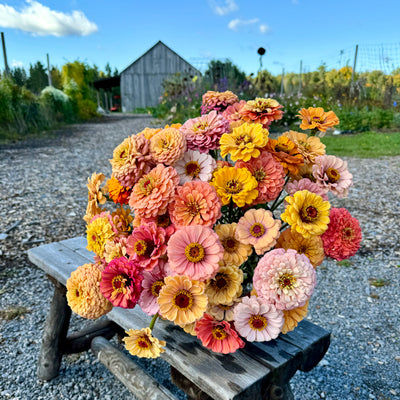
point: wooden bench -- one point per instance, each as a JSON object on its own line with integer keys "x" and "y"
{"x": 258, "y": 371}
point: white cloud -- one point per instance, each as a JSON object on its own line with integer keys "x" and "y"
{"x": 41, "y": 20}
{"x": 227, "y": 7}
{"x": 264, "y": 28}
{"x": 16, "y": 63}
{"x": 237, "y": 23}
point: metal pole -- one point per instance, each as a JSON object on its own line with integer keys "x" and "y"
{"x": 354, "y": 69}
{"x": 48, "y": 69}
{"x": 3, "y": 42}
{"x": 301, "y": 71}
{"x": 283, "y": 77}
{"x": 106, "y": 100}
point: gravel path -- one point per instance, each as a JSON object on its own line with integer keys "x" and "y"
{"x": 43, "y": 192}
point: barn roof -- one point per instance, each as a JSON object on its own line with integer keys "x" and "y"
{"x": 151, "y": 48}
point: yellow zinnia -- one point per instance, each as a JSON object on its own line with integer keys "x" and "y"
{"x": 97, "y": 233}
{"x": 293, "y": 317}
{"x": 244, "y": 142}
{"x": 307, "y": 213}
{"x": 142, "y": 343}
{"x": 237, "y": 184}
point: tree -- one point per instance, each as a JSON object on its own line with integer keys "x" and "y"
{"x": 224, "y": 75}
{"x": 56, "y": 79}
{"x": 107, "y": 68}
{"x": 19, "y": 76}
{"x": 38, "y": 79}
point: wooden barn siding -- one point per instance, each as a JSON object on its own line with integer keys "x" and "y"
{"x": 141, "y": 82}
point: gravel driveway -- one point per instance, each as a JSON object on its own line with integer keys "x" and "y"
{"x": 43, "y": 198}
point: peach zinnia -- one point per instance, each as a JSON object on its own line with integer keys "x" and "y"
{"x": 293, "y": 317}
{"x": 217, "y": 101}
{"x": 316, "y": 118}
{"x": 153, "y": 192}
{"x": 195, "y": 203}
{"x": 262, "y": 111}
{"x": 308, "y": 146}
{"x": 167, "y": 146}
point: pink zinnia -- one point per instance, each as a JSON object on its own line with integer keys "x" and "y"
{"x": 306, "y": 184}
{"x": 152, "y": 283}
{"x": 217, "y": 101}
{"x": 331, "y": 173}
{"x": 218, "y": 336}
{"x": 146, "y": 245}
{"x": 232, "y": 113}
{"x": 121, "y": 282}
{"x": 256, "y": 320}
{"x": 284, "y": 278}
{"x": 203, "y": 133}
{"x": 195, "y": 251}
{"x": 269, "y": 174}
{"x": 343, "y": 237}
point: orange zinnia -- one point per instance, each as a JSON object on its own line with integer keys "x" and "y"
{"x": 118, "y": 193}
{"x": 317, "y": 118}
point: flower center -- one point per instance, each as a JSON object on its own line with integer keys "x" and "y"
{"x": 183, "y": 300}
{"x": 119, "y": 283}
{"x": 233, "y": 186}
{"x": 257, "y": 230}
{"x": 163, "y": 220}
{"x": 156, "y": 287}
{"x": 259, "y": 175}
{"x": 309, "y": 214}
{"x": 192, "y": 168}
{"x": 347, "y": 233}
{"x": 77, "y": 294}
{"x": 193, "y": 208}
{"x": 258, "y": 322}
{"x": 242, "y": 139}
{"x": 230, "y": 245}
{"x": 219, "y": 333}
{"x": 220, "y": 281}
{"x": 122, "y": 154}
{"x": 143, "y": 248}
{"x": 333, "y": 175}
{"x": 194, "y": 252}
{"x": 146, "y": 185}
{"x": 287, "y": 281}
{"x": 143, "y": 342}
{"x": 200, "y": 126}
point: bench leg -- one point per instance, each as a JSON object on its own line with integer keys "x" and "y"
{"x": 191, "y": 390}
{"x": 54, "y": 334}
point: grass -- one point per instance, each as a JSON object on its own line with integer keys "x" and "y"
{"x": 363, "y": 145}
{"x": 13, "y": 312}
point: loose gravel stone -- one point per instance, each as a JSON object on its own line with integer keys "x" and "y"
{"x": 43, "y": 197}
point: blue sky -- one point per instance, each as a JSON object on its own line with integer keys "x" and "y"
{"x": 120, "y": 31}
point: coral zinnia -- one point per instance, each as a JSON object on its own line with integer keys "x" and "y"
{"x": 262, "y": 111}
{"x": 284, "y": 278}
{"x": 258, "y": 228}
{"x": 203, "y": 133}
{"x": 235, "y": 183}
{"x": 195, "y": 203}
{"x": 343, "y": 236}
{"x": 121, "y": 282}
{"x": 218, "y": 335}
{"x": 142, "y": 343}
{"x": 232, "y": 113}
{"x": 195, "y": 166}
{"x": 316, "y": 118}
{"x": 235, "y": 252}
{"x": 167, "y": 146}
{"x": 94, "y": 191}
{"x": 99, "y": 231}
{"x": 118, "y": 193}
{"x": 182, "y": 300}
{"x": 226, "y": 285}
{"x": 195, "y": 251}
{"x": 311, "y": 247}
{"x": 256, "y": 320}
{"x": 269, "y": 175}
{"x": 217, "y": 101}
{"x": 83, "y": 292}
{"x": 307, "y": 213}
{"x": 306, "y": 184}
{"x": 331, "y": 173}
{"x": 293, "y": 317}
{"x": 146, "y": 245}
{"x": 244, "y": 142}
{"x": 153, "y": 192}
{"x": 308, "y": 146}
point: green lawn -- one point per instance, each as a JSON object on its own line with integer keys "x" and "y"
{"x": 363, "y": 145}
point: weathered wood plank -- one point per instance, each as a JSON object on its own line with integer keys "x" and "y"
{"x": 141, "y": 384}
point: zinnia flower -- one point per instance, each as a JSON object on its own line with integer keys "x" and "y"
{"x": 262, "y": 111}
{"x": 195, "y": 203}
{"x": 167, "y": 146}
{"x": 115, "y": 248}
{"x": 146, "y": 245}
{"x": 307, "y": 213}
{"x": 203, "y": 133}
{"x": 182, "y": 300}
{"x": 83, "y": 292}
{"x": 311, "y": 247}
{"x": 148, "y": 133}
{"x": 218, "y": 335}
{"x": 233, "y": 115}
{"x": 223, "y": 312}
{"x": 258, "y": 228}
{"x": 343, "y": 237}
{"x": 195, "y": 166}
{"x": 235, "y": 183}
{"x": 142, "y": 343}
{"x": 257, "y": 321}
{"x": 331, "y": 173}
{"x": 121, "y": 282}
{"x": 94, "y": 191}
{"x": 118, "y": 193}
{"x": 153, "y": 192}
{"x": 235, "y": 252}
{"x": 244, "y": 142}
{"x": 269, "y": 175}
{"x": 308, "y": 146}
{"x": 316, "y": 118}
{"x": 293, "y": 317}
{"x": 284, "y": 278}
{"x": 306, "y": 184}
{"x": 195, "y": 251}
{"x": 226, "y": 285}
{"x": 217, "y": 101}
{"x": 99, "y": 231}
{"x": 131, "y": 160}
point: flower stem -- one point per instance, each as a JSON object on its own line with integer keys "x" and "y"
{"x": 153, "y": 321}
{"x": 275, "y": 204}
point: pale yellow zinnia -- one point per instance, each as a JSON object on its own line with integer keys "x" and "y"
{"x": 167, "y": 146}
{"x": 141, "y": 343}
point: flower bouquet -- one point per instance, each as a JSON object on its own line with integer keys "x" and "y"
{"x": 215, "y": 226}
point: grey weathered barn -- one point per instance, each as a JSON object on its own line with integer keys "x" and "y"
{"x": 141, "y": 81}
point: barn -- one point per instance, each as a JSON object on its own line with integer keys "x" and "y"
{"x": 141, "y": 82}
